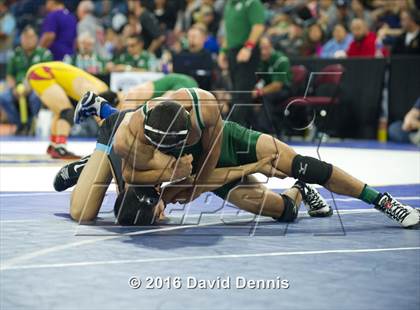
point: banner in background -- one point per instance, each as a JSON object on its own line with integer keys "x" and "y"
{"x": 123, "y": 81}
{"x": 404, "y": 86}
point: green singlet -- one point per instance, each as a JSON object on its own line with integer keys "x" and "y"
{"x": 239, "y": 145}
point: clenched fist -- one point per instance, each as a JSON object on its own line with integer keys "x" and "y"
{"x": 183, "y": 167}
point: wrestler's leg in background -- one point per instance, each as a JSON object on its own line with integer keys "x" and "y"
{"x": 138, "y": 95}
{"x": 254, "y": 197}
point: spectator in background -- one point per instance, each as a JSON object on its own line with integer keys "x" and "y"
{"x": 86, "y": 58}
{"x": 58, "y": 30}
{"x": 114, "y": 44}
{"x": 387, "y": 17}
{"x": 132, "y": 27}
{"x": 7, "y": 29}
{"x": 119, "y": 20}
{"x": 343, "y": 14}
{"x": 327, "y": 14}
{"x": 274, "y": 84}
{"x": 363, "y": 44}
{"x": 195, "y": 61}
{"x": 206, "y": 15}
{"x": 292, "y": 43}
{"x": 210, "y": 41}
{"x": 337, "y": 46}
{"x": 358, "y": 10}
{"x": 165, "y": 12}
{"x": 408, "y": 130}
{"x": 135, "y": 59}
{"x": 28, "y": 12}
{"x": 184, "y": 18}
{"x": 244, "y": 25}
{"x": 24, "y": 56}
{"x": 197, "y": 38}
{"x": 387, "y": 12}
{"x": 279, "y": 25}
{"x": 103, "y": 8}
{"x": 314, "y": 41}
{"x": 409, "y": 41}
{"x": 150, "y": 30}
{"x": 88, "y": 23}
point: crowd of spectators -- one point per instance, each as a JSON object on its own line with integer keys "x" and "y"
{"x": 106, "y": 36}
{"x": 324, "y": 28}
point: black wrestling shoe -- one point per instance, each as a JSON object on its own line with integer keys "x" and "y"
{"x": 406, "y": 216}
{"x": 68, "y": 175}
{"x": 313, "y": 201}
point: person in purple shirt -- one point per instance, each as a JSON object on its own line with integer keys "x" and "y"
{"x": 58, "y": 30}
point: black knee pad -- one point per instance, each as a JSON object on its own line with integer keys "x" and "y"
{"x": 311, "y": 170}
{"x": 136, "y": 206}
{"x": 67, "y": 115}
{"x": 290, "y": 211}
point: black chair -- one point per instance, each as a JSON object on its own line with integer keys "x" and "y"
{"x": 197, "y": 65}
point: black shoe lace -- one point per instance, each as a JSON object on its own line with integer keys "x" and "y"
{"x": 397, "y": 211}
{"x": 314, "y": 200}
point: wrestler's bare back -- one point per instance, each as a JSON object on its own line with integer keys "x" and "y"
{"x": 131, "y": 144}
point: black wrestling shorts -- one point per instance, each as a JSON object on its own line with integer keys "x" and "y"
{"x": 105, "y": 143}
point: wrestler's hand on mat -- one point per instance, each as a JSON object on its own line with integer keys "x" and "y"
{"x": 183, "y": 167}
{"x": 160, "y": 211}
{"x": 267, "y": 165}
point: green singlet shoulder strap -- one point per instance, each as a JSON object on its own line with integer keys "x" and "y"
{"x": 144, "y": 108}
{"x": 196, "y": 107}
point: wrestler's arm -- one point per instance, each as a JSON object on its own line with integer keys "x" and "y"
{"x": 218, "y": 177}
{"x": 159, "y": 169}
{"x": 211, "y": 138}
{"x": 222, "y": 176}
{"x": 147, "y": 177}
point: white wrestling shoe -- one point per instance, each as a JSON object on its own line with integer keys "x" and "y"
{"x": 406, "y": 216}
{"x": 313, "y": 201}
{"x": 89, "y": 105}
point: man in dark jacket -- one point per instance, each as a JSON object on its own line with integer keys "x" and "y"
{"x": 409, "y": 41}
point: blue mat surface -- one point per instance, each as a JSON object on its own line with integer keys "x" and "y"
{"x": 357, "y": 259}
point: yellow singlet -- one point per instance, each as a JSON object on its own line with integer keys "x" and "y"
{"x": 73, "y": 80}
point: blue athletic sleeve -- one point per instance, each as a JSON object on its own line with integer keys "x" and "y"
{"x": 106, "y": 110}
